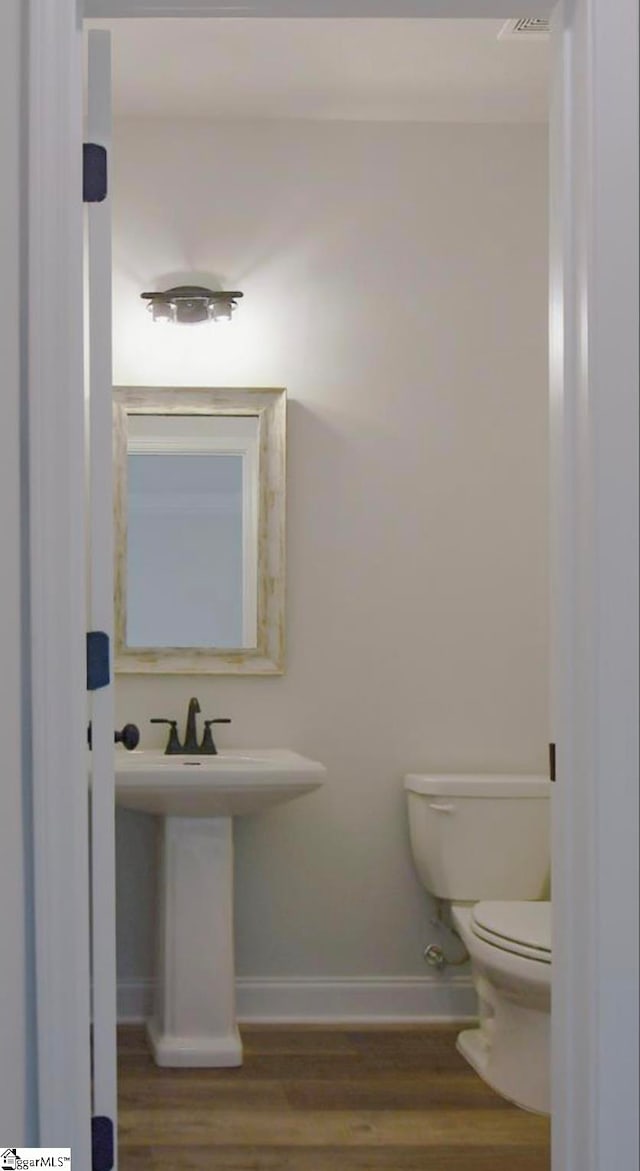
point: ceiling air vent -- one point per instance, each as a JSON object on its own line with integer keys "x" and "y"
{"x": 532, "y": 28}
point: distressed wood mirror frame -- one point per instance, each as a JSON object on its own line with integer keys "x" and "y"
{"x": 269, "y": 406}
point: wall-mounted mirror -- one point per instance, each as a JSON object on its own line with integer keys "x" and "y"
{"x": 199, "y": 530}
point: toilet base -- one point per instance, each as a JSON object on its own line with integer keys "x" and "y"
{"x": 501, "y": 1065}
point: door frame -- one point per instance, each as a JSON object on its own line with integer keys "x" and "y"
{"x": 594, "y": 523}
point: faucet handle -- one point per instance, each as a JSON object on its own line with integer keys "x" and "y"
{"x": 173, "y": 743}
{"x": 208, "y": 745}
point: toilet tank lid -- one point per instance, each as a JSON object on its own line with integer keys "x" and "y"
{"x": 474, "y": 785}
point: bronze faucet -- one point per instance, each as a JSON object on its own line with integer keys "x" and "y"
{"x": 190, "y": 732}
{"x": 191, "y": 746}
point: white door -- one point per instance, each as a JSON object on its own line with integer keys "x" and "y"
{"x": 100, "y": 606}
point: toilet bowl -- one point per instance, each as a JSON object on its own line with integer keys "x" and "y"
{"x": 482, "y": 843}
{"x": 512, "y": 976}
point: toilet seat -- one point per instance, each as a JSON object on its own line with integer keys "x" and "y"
{"x": 521, "y": 928}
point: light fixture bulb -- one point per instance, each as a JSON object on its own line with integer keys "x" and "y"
{"x": 191, "y": 304}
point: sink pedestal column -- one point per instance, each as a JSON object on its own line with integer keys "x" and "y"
{"x": 194, "y": 1021}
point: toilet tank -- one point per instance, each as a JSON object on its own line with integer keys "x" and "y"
{"x": 480, "y": 837}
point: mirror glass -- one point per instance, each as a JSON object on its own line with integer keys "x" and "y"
{"x": 192, "y": 486}
{"x": 199, "y": 530}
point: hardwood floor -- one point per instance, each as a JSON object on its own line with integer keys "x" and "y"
{"x": 323, "y": 1099}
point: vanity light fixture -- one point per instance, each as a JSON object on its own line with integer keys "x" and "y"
{"x": 189, "y": 304}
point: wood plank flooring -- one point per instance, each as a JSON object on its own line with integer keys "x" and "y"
{"x": 323, "y": 1099}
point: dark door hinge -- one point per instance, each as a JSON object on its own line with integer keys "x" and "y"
{"x": 94, "y": 173}
{"x": 102, "y": 1143}
{"x": 552, "y": 762}
{"x": 98, "y": 660}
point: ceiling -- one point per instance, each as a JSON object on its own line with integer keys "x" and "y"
{"x": 325, "y": 69}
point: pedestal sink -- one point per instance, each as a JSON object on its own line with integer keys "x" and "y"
{"x": 194, "y": 1020}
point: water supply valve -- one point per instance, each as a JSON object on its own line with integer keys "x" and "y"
{"x": 434, "y": 956}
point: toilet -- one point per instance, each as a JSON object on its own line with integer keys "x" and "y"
{"x": 482, "y": 844}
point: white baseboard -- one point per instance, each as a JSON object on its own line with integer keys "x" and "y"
{"x": 135, "y": 1001}
{"x": 307, "y": 1000}
{"x": 400, "y": 998}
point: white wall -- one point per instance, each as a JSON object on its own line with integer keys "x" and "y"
{"x": 395, "y": 283}
{"x": 17, "y": 1045}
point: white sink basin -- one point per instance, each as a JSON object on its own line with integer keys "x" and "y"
{"x": 231, "y": 783}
